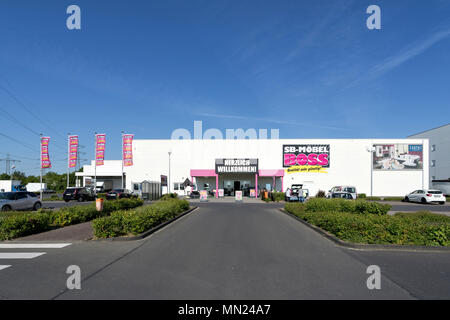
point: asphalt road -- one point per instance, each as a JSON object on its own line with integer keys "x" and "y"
{"x": 226, "y": 251}
{"x": 410, "y": 206}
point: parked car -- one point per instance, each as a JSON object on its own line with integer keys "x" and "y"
{"x": 342, "y": 195}
{"x": 20, "y": 200}
{"x": 79, "y": 194}
{"x": 342, "y": 189}
{"x": 426, "y": 196}
{"x": 119, "y": 194}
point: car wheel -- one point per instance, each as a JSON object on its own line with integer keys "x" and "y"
{"x": 406, "y": 199}
{"x": 6, "y": 208}
{"x": 442, "y": 202}
{"x": 424, "y": 200}
{"x": 66, "y": 200}
{"x": 37, "y": 206}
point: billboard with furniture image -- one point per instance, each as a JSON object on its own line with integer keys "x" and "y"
{"x": 398, "y": 157}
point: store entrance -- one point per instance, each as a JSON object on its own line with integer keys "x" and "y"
{"x": 237, "y": 186}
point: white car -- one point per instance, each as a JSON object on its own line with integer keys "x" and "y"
{"x": 426, "y": 196}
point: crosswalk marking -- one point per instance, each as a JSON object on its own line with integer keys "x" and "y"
{"x": 33, "y": 245}
{"x": 4, "y": 266}
{"x": 20, "y": 255}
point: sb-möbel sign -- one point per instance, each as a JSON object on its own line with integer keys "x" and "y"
{"x": 306, "y": 155}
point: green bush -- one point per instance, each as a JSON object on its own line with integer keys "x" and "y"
{"x": 343, "y": 205}
{"x": 22, "y": 223}
{"x": 403, "y": 229}
{"x": 278, "y": 196}
{"x": 320, "y": 194}
{"x": 139, "y": 220}
{"x": 168, "y": 196}
{"x": 393, "y": 198}
{"x": 362, "y": 195}
{"x": 373, "y": 199}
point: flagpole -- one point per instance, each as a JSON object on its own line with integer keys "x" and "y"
{"x": 68, "y": 157}
{"x": 40, "y": 151}
{"x": 122, "y": 162}
{"x": 95, "y": 161}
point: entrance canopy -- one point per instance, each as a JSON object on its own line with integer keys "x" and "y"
{"x": 211, "y": 173}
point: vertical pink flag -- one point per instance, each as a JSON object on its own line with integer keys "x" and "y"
{"x": 73, "y": 151}
{"x": 100, "y": 149}
{"x": 45, "y": 158}
{"x": 127, "y": 156}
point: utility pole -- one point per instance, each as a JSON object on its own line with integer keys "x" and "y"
{"x": 9, "y": 162}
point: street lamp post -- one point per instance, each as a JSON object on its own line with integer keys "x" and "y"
{"x": 168, "y": 179}
{"x": 371, "y": 150}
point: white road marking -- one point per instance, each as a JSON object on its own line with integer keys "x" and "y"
{"x": 20, "y": 255}
{"x": 33, "y": 245}
{"x": 2, "y": 267}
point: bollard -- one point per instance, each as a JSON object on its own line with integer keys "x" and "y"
{"x": 99, "y": 204}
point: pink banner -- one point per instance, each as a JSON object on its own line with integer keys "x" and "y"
{"x": 127, "y": 155}
{"x": 73, "y": 151}
{"x": 100, "y": 149}
{"x": 45, "y": 158}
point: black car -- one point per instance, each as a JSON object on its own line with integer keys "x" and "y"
{"x": 119, "y": 194}
{"x": 79, "y": 194}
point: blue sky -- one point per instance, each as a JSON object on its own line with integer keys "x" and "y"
{"x": 311, "y": 69}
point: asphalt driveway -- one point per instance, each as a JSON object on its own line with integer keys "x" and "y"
{"x": 228, "y": 251}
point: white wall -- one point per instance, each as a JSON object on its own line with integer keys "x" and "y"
{"x": 350, "y": 162}
{"x": 440, "y": 137}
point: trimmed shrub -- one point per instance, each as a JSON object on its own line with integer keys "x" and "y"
{"x": 278, "y": 196}
{"x": 22, "y": 223}
{"x": 343, "y": 205}
{"x": 169, "y": 196}
{"x": 362, "y": 195}
{"x": 403, "y": 229}
{"x": 136, "y": 221}
{"x": 393, "y": 198}
{"x": 373, "y": 199}
{"x": 320, "y": 194}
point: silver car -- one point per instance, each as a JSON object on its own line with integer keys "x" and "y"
{"x": 20, "y": 200}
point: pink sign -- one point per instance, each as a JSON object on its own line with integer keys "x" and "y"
{"x": 45, "y": 158}
{"x": 127, "y": 155}
{"x": 100, "y": 149}
{"x": 73, "y": 151}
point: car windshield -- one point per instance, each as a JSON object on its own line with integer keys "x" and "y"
{"x": 435, "y": 192}
{"x": 7, "y": 196}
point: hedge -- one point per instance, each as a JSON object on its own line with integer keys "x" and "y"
{"x": 343, "y": 205}
{"x": 136, "y": 221}
{"x": 16, "y": 224}
{"x": 423, "y": 229}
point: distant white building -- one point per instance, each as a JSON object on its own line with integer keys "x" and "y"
{"x": 439, "y": 152}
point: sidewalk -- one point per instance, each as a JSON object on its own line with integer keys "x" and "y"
{"x": 81, "y": 231}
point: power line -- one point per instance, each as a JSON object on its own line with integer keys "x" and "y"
{"x": 17, "y": 141}
{"x": 27, "y": 109}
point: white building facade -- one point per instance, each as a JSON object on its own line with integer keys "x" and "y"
{"x": 439, "y": 154}
{"x": 378, "y": 167}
